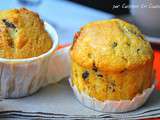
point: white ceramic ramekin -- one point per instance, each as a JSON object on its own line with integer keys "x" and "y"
{"x": 22, "y": 77}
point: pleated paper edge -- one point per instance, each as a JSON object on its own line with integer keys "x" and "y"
{"x": 111, "y": 105}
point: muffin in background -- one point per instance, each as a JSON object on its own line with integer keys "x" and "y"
{"x": 111, "y": 60}
{"x": 22, "y": 34}
{"x": 26, "y": 45}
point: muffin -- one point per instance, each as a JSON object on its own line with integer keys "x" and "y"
{"x": 111, "y": 61}
{"x": 26, "y": 45}
{"x": 22, "y": 34}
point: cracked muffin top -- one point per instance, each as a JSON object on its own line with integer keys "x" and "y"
{"x": 110, "y": 45}
{"x": 22, "y": 34}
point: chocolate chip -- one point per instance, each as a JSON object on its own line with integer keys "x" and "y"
{"x": 113, "y": 90}
{"x": 138, "y": 50}
{"x": 125, "y": 59}
{"x": 137, "y": 34}
{"x": 99, "y": 75}
{"x": 123, "y": 70}
{"x": 111, "y": 86}
{"x": 85, "y": 75}
{"x": 9, "y": 24}
{"x": 94, "y": 67}
{"x": 128, "y": 44}
{"x": 114, "y": 45}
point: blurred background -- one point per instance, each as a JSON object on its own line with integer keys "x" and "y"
{"x": 67, "y": 16}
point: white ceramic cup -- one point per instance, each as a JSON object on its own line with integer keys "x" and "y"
{"x": 146, "y": 14}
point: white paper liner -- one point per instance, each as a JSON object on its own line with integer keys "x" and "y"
{"x": 110, "y": 105}
{"x": 59, "y": 65}
{"x": 22, "y": 77}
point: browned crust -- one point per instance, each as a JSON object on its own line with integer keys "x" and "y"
{"x": 84, "y": 54}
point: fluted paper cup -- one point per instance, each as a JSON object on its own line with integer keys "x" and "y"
{"x": 112, "y": 105}
{"x": 22, "y": 77}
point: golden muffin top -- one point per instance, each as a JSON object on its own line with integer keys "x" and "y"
{"x": 110, "y": 45}
{"x": 22, "y": 34}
